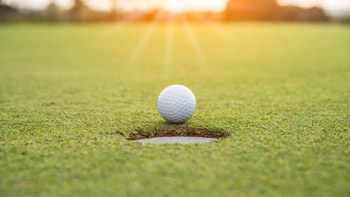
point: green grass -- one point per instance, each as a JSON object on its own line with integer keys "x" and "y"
{"x": 281, "y": 91}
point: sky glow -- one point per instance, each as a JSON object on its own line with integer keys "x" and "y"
{"x": 177, "y": 5}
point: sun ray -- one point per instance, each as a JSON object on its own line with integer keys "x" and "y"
{"x": 119, "y": 26}
{"x": 194, "y": 43}
{"x": 143, "y": 42}
{"x": 217, "y": 29}
{"x": 169, "y": 45}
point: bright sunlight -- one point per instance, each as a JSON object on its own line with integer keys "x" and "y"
{"x": 185, "y": 5}
{"x": 174, "y": 5}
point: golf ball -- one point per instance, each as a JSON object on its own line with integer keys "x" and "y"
{"x": 176, "y": 104}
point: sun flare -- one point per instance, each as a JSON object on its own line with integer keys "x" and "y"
{"x": 173, "y": 6}
{"x": 186, "y": 5}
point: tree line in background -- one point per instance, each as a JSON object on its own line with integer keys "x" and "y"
{"x": 271, "y": 10}
{"x": 236, "y": 10}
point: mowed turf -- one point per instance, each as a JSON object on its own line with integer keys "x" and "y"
{"x": 68, "y": 94}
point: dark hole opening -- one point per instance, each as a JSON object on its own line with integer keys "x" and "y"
{"x": 176, "y": 132}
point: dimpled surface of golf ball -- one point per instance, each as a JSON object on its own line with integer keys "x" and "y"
{"x": 176, "y": 104}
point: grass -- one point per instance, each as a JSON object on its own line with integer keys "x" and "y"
{"x": 281, "y": 92}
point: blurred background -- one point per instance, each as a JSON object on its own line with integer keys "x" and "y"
{"x": 194, "y": 10}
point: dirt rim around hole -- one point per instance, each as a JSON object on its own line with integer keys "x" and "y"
{"x": 177, "y": 132}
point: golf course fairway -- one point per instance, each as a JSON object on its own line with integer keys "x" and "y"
{"x": 74, "y": 97}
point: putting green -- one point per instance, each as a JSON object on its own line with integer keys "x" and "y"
{"x": 70, "y": 95}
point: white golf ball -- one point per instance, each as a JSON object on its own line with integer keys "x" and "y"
{"x": 176, "y": 104}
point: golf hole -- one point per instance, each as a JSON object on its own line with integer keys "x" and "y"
{"x": 177, "y": 136}
{"x": 175, "y": 140}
